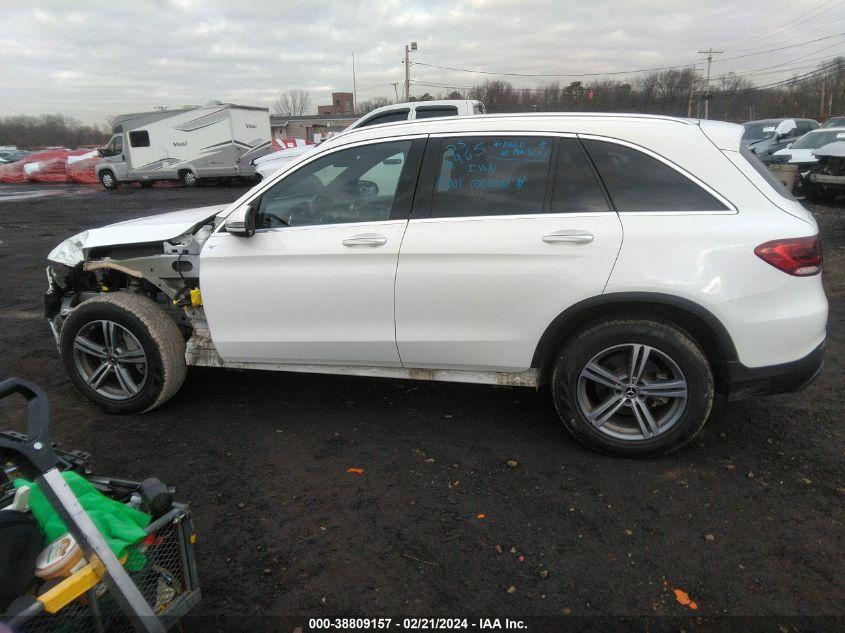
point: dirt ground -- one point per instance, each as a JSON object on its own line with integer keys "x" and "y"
{"x": 748, "y": 519}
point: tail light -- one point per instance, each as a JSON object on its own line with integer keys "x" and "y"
{"x": 799, "y": 256}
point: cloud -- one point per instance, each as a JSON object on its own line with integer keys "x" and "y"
{"x": 96, "y": 58}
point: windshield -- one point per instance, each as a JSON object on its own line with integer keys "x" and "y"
{"x": 814, "y": 140}
{"x": 835, "y": 122}
{"x": 758, "y": 131}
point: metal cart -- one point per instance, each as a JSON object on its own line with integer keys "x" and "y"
{"x": 102, "y": 597}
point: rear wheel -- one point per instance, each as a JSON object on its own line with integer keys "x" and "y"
{"x": 633, "y": 387}
{"x": 188, "y": 178}
{"x": 122, "y": 351}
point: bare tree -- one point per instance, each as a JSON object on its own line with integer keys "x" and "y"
{"x": 371, "y": 104}
{"x": 295, "y": 102}
{"x": 49, "y": 130}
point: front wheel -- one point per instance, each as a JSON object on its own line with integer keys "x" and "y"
{"x": 633, "y": 387}
{"x": 123, "y": 352}
{"x": 108, "y": 180}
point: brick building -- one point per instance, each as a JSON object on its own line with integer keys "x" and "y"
{"x": 342, "y": 103}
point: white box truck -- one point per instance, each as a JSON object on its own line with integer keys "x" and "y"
{"x": 214, "y": 141}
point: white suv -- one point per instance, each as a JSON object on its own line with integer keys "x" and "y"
{"x": 636, "y": 265}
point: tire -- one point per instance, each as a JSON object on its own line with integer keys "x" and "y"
{"x": 107, "y": 179}
{"x": 188, "y": 178}
{"x": 143, "y": 380}
{"x": 642, "y": 424}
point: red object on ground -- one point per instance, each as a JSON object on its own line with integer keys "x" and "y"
{"x": 46, "y": 166}
{"x": 80, "y": 166}
{"x": 13, "y": 172}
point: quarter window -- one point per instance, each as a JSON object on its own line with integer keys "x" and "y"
{"x": 387, "y": 117}
{"x": 638, "y": 182}
{"x": 491, "y": 175}
{"x": 353, "y": 185}
{"x": 435, "y": 112}
{"x": 576, "y": 188}
{"x": 140, "y": 138}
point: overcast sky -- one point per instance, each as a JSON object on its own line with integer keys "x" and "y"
{"x": 92, "y": 58}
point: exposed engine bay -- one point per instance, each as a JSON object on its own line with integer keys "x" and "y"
{"x": 165, "y": 271}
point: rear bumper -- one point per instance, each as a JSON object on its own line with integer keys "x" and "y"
{"x": 745, "y": 382}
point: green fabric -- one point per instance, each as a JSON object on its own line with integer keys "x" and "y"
{"x": 120, "y": 525}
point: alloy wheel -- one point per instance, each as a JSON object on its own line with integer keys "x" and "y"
{"x": 632, "y": 392}
{"x": 110, "y": 360}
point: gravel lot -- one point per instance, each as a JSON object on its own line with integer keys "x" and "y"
{"x": 748, "y": 519}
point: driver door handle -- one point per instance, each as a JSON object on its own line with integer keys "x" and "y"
{"x": 365, "y": 239}
{"x": 571, "y": 237}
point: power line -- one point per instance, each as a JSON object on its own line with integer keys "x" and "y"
{"x": 819, "y": 50}
{"x": 615, "y": 72}
{"x": 782, "y": 82}
{"x": 806, "y": 17}
{"x": 781, "y": 48}
{"x": 621, "y": 72}
{"x": 792, "y": 38}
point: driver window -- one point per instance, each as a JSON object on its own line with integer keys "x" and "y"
{"x": 118, "y": 145}
{"x": 352, "y": 185}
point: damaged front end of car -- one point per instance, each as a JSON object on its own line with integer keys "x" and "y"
{"x": 166, "y": 271}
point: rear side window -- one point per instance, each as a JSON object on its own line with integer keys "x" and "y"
{"x": 637, "y": 182}
{"x": 139, "y": 139}
{"x": 576, "y": 188}
{"x": 434, "y": 112}
{"x": 387, "y": 117}
{"x": 764, "y": 171}
{"x": 491, "y": 175}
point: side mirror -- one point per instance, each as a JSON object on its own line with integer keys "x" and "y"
{"x": 242, "y": 221}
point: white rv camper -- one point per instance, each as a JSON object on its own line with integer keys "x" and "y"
{"x": 189, "y": 144}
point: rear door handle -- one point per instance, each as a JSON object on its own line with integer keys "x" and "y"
{"x": 568, "y": 236}
{"x": 365, "y": 239}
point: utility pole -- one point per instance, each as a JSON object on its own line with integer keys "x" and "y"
{"x": 408, "y": 49}
{"x": 395, "y": 85}
{"x": 691, "y": 91}
{"x": 821, "y": 100}
{"x": 354, "y": 88}
{"x": 707, "y": 96}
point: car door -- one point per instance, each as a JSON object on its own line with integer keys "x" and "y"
{"x": 116, "y": 157}
{"x": 506, "y": 233}
{"x": 315, "y": 284}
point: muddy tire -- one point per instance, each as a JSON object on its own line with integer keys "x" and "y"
{"x": 123, "y": 352}
{"x": 633, "y": 387}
